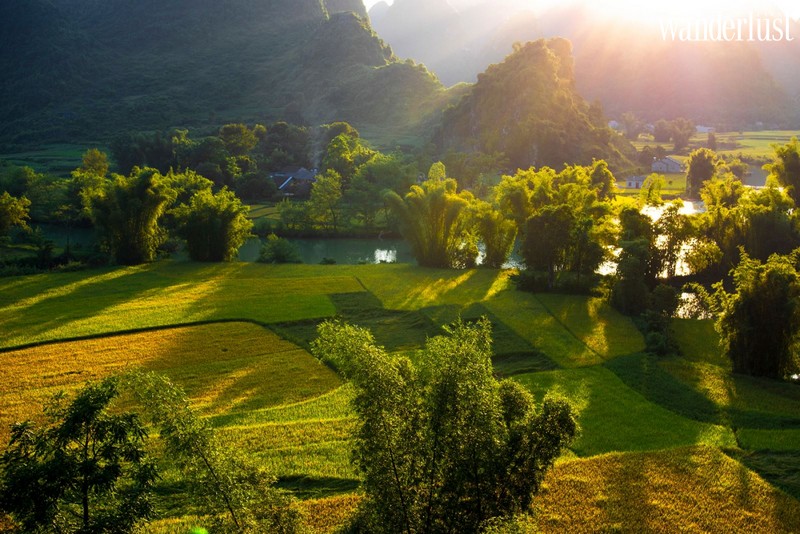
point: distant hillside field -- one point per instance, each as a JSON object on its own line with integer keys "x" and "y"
{"x": 665, "y": 444}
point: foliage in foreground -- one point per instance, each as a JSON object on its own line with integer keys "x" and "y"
{"x": 443, "y": 446}
{"x": 87, "y": 471}
{"x": 84, "y": 471}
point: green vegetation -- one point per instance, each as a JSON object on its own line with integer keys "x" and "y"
{"x": 86, "y": 471}
{"x": 441, "y": 445}
{"x": 547, "y": 125}
{"x": 270, "y": 399}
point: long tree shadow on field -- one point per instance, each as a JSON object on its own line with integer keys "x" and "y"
{"x": 781, "y": 469}
{"x": 643, "y": 373}
{"x": 48, "y": 316}
{"x": 409, "y": 330}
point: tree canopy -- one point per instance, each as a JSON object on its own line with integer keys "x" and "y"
{"x": 759, "y": 323}
{"x": 441, "y": 444}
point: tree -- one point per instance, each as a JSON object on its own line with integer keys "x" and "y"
{"x": 94, "y": 162}
{"x": 85, "y": 471}
{"x": 435, "y": 221}
{"x": 325, "y": 202}
{"x": 602, "y": 180}
{"x": 345, "y": 155}
{"x": 497, "y": 233}
{"x": 127, "y": 213}
{"x": 365, "y": 194}
{"x": 441, "y": 444}
{"x": 13, "y": 212}
{"x": 786, "y": 167}
{"x": 711, "y": 144}
{"x": 701, "y": 168}
{"x": 759, "y": 324}
{"x": 239, "y": 496}
{"x": 662, "y": 131}
{"x": 682, "y": 131}
{"x": 238, "y": 139}
{"x": 214, "y": 226}
{"x": 279, "y": 250}
{"x": 674, "y": 230}
{"x": 547, "y": 239}
{"x": 632, "y": 125}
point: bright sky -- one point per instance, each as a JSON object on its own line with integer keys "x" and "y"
{"x": 652, "y": 10}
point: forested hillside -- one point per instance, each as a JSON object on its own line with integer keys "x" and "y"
{"x": 78, "y": 69}
{"x": 629, "y": 66}
{"x": 527, "y": 108}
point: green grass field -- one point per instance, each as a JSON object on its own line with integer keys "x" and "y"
{"x": 235, "y": 337}
{"x": 56, "y": 159}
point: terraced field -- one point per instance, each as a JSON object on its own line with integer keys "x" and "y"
{"x": 666, "y": 444}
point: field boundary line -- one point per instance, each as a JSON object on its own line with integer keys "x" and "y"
{"x": 143, "y": 330}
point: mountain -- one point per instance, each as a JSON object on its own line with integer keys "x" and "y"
{"x": 86, "y": 69}
{"x": 455, "y": 43}
{"x": 528, "y": 108}
{"x": 626, "y": 65}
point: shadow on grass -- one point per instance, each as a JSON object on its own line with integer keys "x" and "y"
{"x": 395, "y": 330}
{"x": 781, "y": 469}
{"x": 317, "y": 487}
{"x": 642, "y": 373}
{"x": 54, "y": 308}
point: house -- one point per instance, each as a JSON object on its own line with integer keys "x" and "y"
{"x": 705, "y": 129}
{"x": 667, "y": 165}
{"x": 294, "y": 181}
{"x": 634, "y": 182}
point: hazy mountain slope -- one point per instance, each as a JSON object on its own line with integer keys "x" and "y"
{"x": 456, "y": 44}
{"x": 527, "y": 107}
{"x": 109, "y": 66}
{"x": 626, "y": 65}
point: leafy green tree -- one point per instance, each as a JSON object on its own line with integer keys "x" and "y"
{"x": 278, "y": 250}
{"x": 441, "y": 444}
{"x": 294, "y": 215}
{"x": 630, "y": 291}
{"x": 675, "y": 231}
{"x": 632, "y": 125}
{"x": 345, "y": 155}
{"x": 682, "y": 131}
{"x": 435, "y": 220}
{"x": 214, "y": 226}
{"x": 127, "y": 213}
{"x": 759, "y": 324}
{"x": 711, "y": 144}
{"x": 602, "y": 180}
{"x": 497, "y": 233}
{"x": 786, "y": 167}
{"x": 94, "y": 162}
{"x": 701, "y": 168}
{"x": 662, "y": 131}
{"x": 239, "y": 496}
{"x": 547, "y": 240}
{"x": 364, "y": 197}
{"x": 324, "y": 205}
{"x": 13, "y": 212}
{"x": 85, "y": 471}
{"x": 650, "y": 195}
{"x": 513, "y": 195}
{"x": 285, "y": 145}
{"x": 238, "y": 139}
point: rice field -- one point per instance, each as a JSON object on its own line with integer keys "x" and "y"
{"x": 234, "y": 336}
